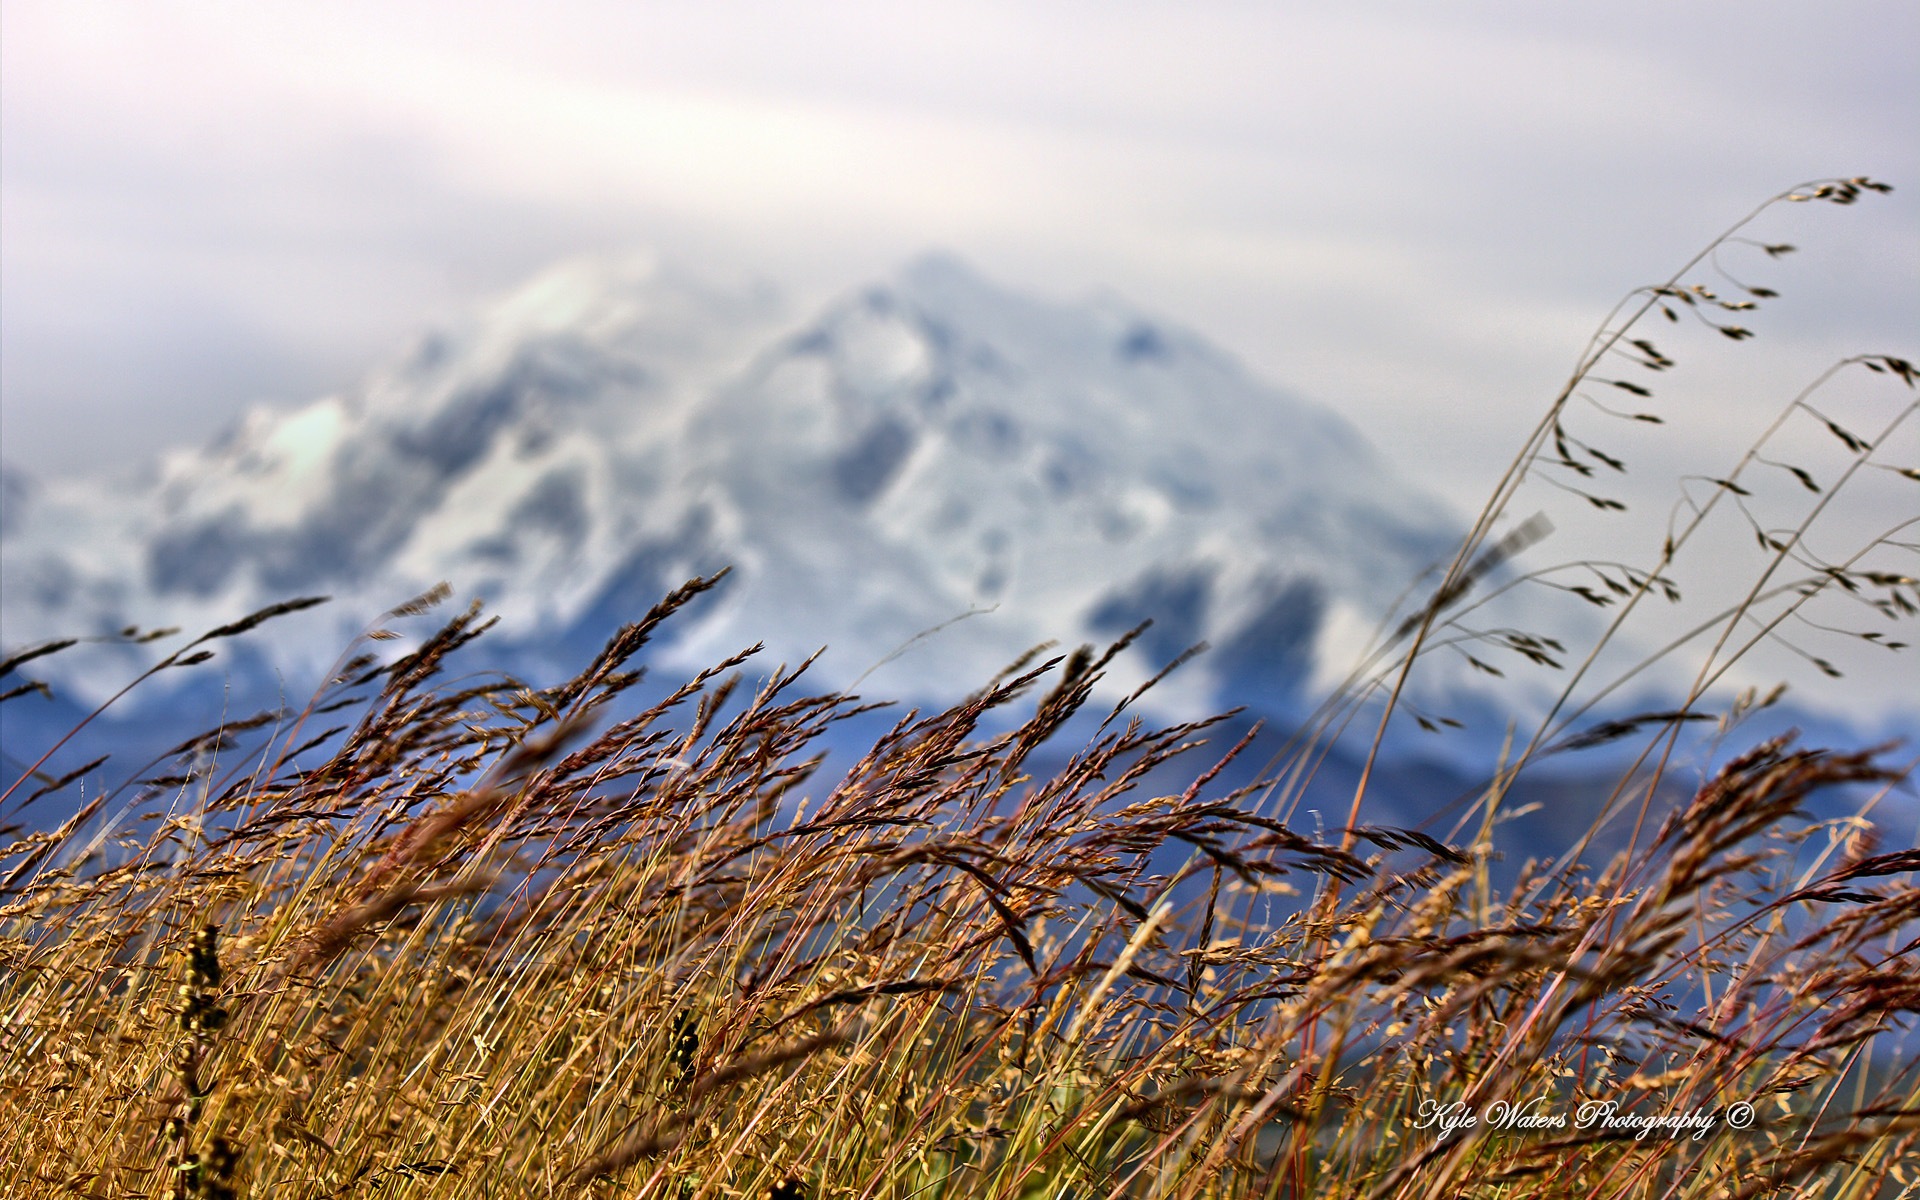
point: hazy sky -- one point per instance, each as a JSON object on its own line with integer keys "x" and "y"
{"x": 1412, "y": 212}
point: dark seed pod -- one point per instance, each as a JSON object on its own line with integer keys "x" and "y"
{"x": 684, "y": 1048}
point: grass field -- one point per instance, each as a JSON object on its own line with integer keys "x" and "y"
{"x": 455, "y": 936}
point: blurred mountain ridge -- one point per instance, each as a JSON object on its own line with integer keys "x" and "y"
{"x": 930, "y": 447}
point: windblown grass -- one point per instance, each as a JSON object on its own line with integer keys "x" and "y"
{"x": 500, "y": 940}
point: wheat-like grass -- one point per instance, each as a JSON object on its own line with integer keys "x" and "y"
{"x": 500, "y": 940}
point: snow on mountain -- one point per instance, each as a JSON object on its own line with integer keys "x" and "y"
{"x": 936, "y": 446}
{"x": 516, "y": 452}
{"x": 931, "y": 447}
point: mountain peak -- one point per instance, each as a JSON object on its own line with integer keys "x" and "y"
{"x": 936, "y": 273}
{"x": 931, "y": 446}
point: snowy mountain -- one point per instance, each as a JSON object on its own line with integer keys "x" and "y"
{"x": 931, "y": 447}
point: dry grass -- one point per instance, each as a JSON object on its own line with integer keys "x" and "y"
{"x": 508, "y": 941}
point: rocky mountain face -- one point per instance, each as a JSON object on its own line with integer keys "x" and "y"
{"x": 932, "y": 447}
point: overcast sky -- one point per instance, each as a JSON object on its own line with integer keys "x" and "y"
{"x": 1412, "y": 212}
